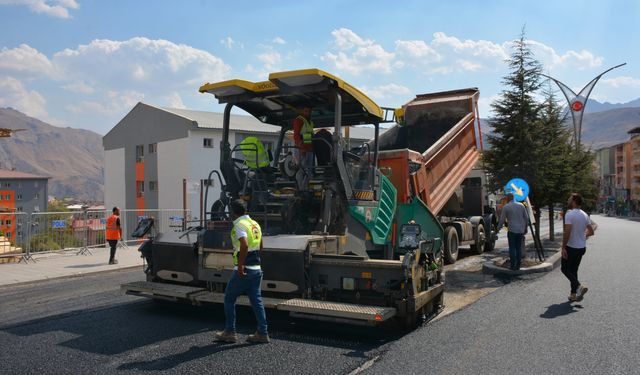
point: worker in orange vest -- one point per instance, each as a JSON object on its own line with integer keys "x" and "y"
{"x": 114, "y": 233}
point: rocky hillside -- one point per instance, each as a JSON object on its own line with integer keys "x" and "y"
{"x": 72, "y": 157}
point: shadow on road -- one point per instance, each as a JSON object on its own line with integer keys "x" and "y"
{"x": 130, "y": 326}
{"x": 169, "y": 362}
{"x": 560, "y": 309}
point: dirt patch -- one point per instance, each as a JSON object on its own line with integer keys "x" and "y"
{"x": 505, "y": 263}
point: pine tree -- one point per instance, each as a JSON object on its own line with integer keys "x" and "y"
{"x": 554, "y": 147}
{"x": 516, "y": 115}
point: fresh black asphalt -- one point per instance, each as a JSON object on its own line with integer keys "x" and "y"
{"x": 87, "y": 325}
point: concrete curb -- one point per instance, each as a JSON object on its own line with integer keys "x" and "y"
{"x": 551, "y": 262}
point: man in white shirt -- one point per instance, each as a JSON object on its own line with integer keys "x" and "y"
{"x": 577, "y": 228}
{"x": 517, "y": 219}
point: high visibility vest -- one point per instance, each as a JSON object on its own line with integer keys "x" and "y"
{"x": 112, "y": 228}
{"x": 307, "y": 130}
{"x": 254, "y": 237}
{"x": 253, "y": 150}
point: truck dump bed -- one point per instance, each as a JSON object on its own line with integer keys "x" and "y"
{"x": 436, "y": 145}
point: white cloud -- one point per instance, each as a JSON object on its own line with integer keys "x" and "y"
{"x": 111, "y": 103}
{"x": 139, "y": 64}
{"x": 230, "y": 43}
{"x": 622, "y": 82}
{"x": 356, "y": 55}
{"x": 478, "y": 48}
{"x": 579, "y": 59}
{"x": 271, "y": 60}
{"x": 79, "y": 87}
{"x": 55, "y": 8}
{"x": 174, "y": 100}
{"x": 25, "y": 61}
{"x": 14, "y": 94}
{"x": 278, "y": 40}
{"x": 469, "y": 65}
{"x": 387, "y": 91}
{"x": 417, "y": 49}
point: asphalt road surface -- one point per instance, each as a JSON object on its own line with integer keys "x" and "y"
{"x": 530, "y": 328}
{"x": 87, "y": 325}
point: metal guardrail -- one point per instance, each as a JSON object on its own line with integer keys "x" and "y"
{"x": 23, "y": 235}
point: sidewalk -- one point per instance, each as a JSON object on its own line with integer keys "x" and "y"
{"x": 67, "y": 264}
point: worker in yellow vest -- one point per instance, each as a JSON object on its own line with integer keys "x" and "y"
{"x": 255, "y": 155}
{"x": 303, "y": 137}
{"x": 246, "y": 237}
{"x": 113, "y": 233}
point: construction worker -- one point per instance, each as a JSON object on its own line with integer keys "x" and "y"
{"x": 302, "y": 135}
{"x": 113, "y": 233}
{"x": 246, "y": 237}
{"x": 255, "y": 156}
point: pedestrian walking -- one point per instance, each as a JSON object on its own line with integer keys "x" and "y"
{"x": 577, "y": 228}
{"x": 246, "y": 237}
{"x": 113, "y": 233}
{"x": 515, "y": 214}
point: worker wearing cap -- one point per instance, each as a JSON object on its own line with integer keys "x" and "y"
{"x": 302, "y": 135}
{"x": 246, "y": 237}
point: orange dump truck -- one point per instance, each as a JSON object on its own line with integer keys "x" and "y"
{"x": 436, "y": 144}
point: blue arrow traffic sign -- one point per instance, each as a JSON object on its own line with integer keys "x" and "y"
{"x": 519, "y": 188}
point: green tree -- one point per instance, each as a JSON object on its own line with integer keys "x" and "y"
{"x": 554, "y": 148}
{"x": 516, "y": 115}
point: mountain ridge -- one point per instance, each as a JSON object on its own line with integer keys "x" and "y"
{"x": 73, "y": 158}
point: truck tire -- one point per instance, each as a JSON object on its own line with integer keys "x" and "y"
{"x": 480, "y": 240}
{"x": 490, "y": 242}
{"x": 450, "y": 245}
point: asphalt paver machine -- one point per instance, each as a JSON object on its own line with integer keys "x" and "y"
{"x": 344, "y": 246}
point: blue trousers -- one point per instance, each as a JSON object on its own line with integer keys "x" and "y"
{"x": 249, "y": 285}
{"x": 515, "y": 249}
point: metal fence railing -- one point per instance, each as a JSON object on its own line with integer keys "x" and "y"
{"x": 23, "y": 235}
{"x": 13, "y": 234}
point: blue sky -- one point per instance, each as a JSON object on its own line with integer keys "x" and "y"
{"x": 85, "y": 64}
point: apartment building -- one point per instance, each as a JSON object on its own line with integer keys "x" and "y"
{"x": 619, "y": 168}
{"x": 20, "y": 192}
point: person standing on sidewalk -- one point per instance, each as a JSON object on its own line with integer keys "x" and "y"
{"x": 246, "y": 237}
{"x": 577, "y": 228}
{"x": 113, "y": 233}
{"x": 517, "y": 219}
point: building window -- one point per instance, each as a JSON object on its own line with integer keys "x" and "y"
{"x": 19, "y": 184}
{"x": 37, "y": 196}
{"x": 8, "y": 234}
{"x": 6, "y": 184}
{"x": 36, "y": 208}
{"x": 153, "y": 185}
{"x": 19, "y": 208}
{"x": 139, "y": 153}
{"x": 7, "y": 222}
{"x": 152, "y": 148}
{"x": 139, "y": 188}
{"x": 7, "y": 197}
{"x": 19, "y": 196}
{"x": 207, "y": 142}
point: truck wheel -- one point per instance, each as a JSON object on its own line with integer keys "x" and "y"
{"x": 490, "y": 242}
{"x": 479, "y": 245}
{"x": 450, "y": 245}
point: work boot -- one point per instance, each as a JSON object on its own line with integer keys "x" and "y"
{"x": 258, "y": 338}
{"x": 113, "y": 261}
{"x": 226, "y": 336}
{"x": 582, "y": 290}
